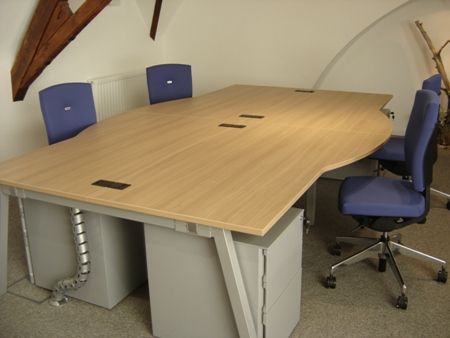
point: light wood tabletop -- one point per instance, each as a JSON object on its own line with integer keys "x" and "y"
{"x": 181, "y": 165}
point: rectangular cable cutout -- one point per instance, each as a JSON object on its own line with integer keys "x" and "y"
{"x": 304, "y": 91}
{"x": 251, "y": 116}
{"x": 231, "y": 125}
{"x": 111, "y": 184}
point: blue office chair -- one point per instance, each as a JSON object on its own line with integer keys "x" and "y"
{"x": 168, "y": 82}
{"x": 67, "y": 108}
{"x": 392, "y": 155}
{"x": 385, "y": 204}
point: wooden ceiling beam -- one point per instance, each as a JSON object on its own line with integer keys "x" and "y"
{"x": 60, "y": 15}
{"x": 52, "y": 28}
{"x": 30, "y": 43}
{"x": 155, "y": 20}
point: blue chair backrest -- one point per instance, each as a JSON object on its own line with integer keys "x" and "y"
{"x": 168, "y": 82}
{"x": 420, "y": 138}
{"x": 433, "y": 83}
{"x": 68, "y": 108}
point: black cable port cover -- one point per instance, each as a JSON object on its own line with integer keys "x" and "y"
{"x": 111, "y": 184}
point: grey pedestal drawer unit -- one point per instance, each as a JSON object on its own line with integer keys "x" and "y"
{"x": 188, "y": 296}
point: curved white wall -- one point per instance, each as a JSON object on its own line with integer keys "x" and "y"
{"x": 290, "y": 43}
{"x": 285, "y": 43}
{"x": 392, "y": 57}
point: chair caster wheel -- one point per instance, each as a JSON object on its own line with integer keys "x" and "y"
{"x": 402, "y": 302}
{"x": 330, "y": 282}
{"x": 382, "y": 264}
{"x": 336, "y": 250}
{"x": 442, "y": 276}
{"x": 448, "y": 205}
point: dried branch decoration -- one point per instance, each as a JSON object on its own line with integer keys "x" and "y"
{"x": 445, "y": 120}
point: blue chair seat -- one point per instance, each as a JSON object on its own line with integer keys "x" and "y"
{"x": 393, "y": 150}
{"x": 380, "y": 196}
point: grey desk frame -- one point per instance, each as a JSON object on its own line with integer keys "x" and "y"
{"x": 223, "y": 239}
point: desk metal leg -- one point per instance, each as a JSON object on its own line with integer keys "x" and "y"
{"x": 25, "y": 240}
{"x": 4, "y": 211}
{"x": 440, "y": 193}
{"x": 311, "y": 205}
{"x": 234, "y": 282}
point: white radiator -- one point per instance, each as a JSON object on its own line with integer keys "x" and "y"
{"x": 118, "y": 93}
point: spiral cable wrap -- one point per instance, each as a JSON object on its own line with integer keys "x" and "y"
{"x": 83, "y": 258}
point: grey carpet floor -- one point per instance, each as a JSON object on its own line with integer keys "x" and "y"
{"x": 362, "y": 305}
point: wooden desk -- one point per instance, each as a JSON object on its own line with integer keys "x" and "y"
{"x": 182, "y": 166}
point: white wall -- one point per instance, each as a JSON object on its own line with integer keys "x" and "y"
{"x": 284, "y": 43}
{"x": 116, "y": 41}
{"x": 291, "y": 42}
{"x": 269, "y": 42}
{"x": 393, "y": 57}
